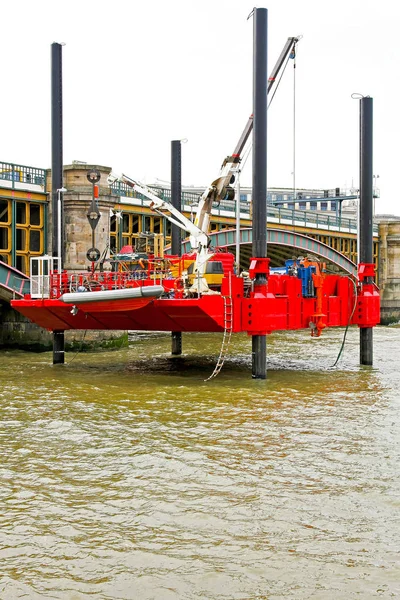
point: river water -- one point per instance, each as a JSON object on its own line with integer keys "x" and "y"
{"x": 125, "y": 476}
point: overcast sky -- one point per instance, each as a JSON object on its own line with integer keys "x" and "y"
{"x": 138, "y": 74}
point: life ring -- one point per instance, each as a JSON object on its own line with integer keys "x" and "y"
{"x": 178, "y": 283}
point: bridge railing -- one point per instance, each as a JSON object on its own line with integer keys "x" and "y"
{"x": 21, "y": 176}
{"x": 275, "y": 214}
{"x": 314, "y": 218}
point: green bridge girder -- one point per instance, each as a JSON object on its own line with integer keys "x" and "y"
{"x": 279, "y": 237}
{"x": 13, "y": 283}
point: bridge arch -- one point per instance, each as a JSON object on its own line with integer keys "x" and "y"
{"x": 282, "y": 244}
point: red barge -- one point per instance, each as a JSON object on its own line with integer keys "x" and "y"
{"x": 154, "y": 300}
{"x": 205, "y": 292}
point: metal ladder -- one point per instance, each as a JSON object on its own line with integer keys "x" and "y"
{"x": 228, "y": 325}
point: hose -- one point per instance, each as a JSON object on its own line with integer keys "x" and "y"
{"x": 348, "y": 324}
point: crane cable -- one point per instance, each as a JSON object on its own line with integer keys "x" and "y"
{"x": 79, "y": 349}
{"x": 293, "y": 55}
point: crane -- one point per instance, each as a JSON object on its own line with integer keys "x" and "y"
{"x": 220, "y": 188}
{"x": 199, "y": 240}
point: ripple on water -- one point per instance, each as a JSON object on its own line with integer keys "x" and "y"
{"x": 125, "y": 475}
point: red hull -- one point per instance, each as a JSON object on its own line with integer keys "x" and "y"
{"x": 204, "y": 314}
{"x": 281, "y": 308}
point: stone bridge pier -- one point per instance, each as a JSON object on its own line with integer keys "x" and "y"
{"x": 389, "y": 271}
{"x": 77, "y": 200}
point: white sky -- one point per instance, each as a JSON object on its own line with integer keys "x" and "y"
{"x": 139, "y": 74}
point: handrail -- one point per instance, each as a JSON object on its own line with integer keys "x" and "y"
{"x": 275, "y": 214}
{"x": 22, "y": 174}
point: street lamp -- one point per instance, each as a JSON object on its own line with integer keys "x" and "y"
{"x": 59, "y": 192}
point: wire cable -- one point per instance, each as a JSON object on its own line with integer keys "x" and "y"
{"x": 279, "y": 80}
{"x": 80, "y": 347}
{"x": 348, "y": 324}
{"x": 294, "y": 123}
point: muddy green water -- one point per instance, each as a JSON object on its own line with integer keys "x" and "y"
{"x": 125, "y": 476}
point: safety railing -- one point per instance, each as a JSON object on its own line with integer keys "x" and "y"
{"x": 18, "y": 176}
{"x": 321, "y": 220}
{"x": 275, "y": 214}
{"x": 40, "y": 269}
{"x": 131, "y": 275}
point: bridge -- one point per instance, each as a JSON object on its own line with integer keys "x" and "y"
{"x": 290, "y": 232}
{"x": 13, "y": 283}
{"x": 25, "y": 227}
{"x": 282, "y": 245}
{"x": 25, "y": 223}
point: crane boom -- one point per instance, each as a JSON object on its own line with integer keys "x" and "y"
{"x": 220, "y": 188}
{"x": 164, "y": 209}
{"x": 198, "y": 239}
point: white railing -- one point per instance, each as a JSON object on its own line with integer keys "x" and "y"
{"x": 41, "y": 266}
